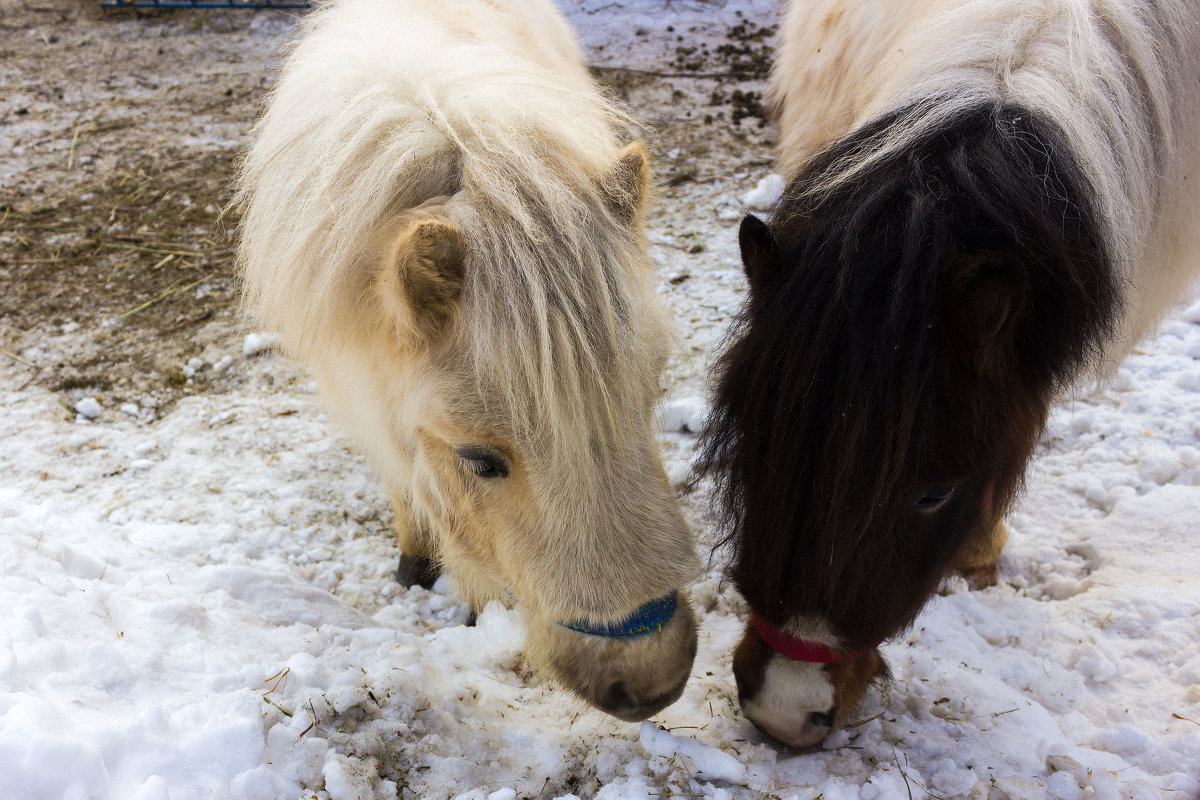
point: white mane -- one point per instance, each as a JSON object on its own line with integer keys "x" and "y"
{"x": 376, "y": 113}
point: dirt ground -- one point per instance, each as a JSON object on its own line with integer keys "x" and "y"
{"x": 120, "y": 133}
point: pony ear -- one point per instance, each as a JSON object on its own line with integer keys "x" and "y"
{"x": 627, "y": 184}
{"x": 760, "y": 251}
{"x": 422, "y": 278}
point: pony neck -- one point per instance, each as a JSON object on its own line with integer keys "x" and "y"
{"x": 798, "y": 649}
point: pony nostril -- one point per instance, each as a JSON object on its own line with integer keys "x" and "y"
{"x": 823, "y": 720}
{"x": 615, "y": 698}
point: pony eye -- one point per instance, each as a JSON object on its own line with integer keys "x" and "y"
{"x": 483, "y": 461}
{"x": 933, "y": 497}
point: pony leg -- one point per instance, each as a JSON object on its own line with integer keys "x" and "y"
{"x": 418, "y": 565}
{"x": 978, "y": 561}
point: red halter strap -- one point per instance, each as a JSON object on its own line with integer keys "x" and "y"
{"x": 798, "y": 649}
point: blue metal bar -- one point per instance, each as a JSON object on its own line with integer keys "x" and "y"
{"x": 206, "y": 3}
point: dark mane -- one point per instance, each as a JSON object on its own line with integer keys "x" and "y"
{"x": 910, "y": 326}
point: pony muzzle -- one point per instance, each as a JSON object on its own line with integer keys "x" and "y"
{"x": 797, "y": 690}
{"x": 630, "y": 669}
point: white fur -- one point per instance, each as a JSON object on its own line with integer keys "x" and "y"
{"x": 790, "y": 691}
{"x": 793, "y": 690}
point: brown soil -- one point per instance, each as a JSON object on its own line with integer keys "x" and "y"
{"x": 119, "y": 136}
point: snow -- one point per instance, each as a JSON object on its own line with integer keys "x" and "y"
{"x": 254, "y": 344}
{"x": 683, "y": 414}
{"x": 202, "y": 605}
{"x": 88, "y": 408}
{"x": 765, "y": 193}
{"x": 706, "y": 763}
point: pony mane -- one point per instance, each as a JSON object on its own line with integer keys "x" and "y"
{"x": 373, "y": 116}
{"x": 846, "y": 362}
{"x": 563, "y": 319}
{"x": 1115, "y": 76}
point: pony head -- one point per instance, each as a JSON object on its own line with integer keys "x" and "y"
{"x": 922, "y": 290}
{"x": 524, "y": 349}
{"x": 479, "y": 308}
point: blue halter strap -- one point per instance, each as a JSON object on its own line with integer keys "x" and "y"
{"x": 650, "y": 618}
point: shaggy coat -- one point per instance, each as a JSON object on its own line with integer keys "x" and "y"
{"x": 989, "y": 202}
{"x": 440, "y": 220}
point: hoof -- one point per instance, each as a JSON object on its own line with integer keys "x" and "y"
{"x": 417, "y": 571}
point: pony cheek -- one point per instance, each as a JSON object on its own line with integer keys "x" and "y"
{"x": 850, "y": 680}
{"x": 750, "y": 659}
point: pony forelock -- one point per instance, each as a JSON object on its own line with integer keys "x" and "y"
{"x": 562, "y": 320}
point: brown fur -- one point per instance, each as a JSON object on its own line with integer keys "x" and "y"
{"x": 979, "y": 562}
{"x": 851, "y": 679}
{"x": 988, "y": 202}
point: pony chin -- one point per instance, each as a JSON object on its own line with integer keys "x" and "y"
{"x": 630, "y": 678}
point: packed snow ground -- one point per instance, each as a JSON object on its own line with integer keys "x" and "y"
{"x": 201, "y": 606}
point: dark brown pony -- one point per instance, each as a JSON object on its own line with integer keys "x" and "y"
{"x": 928, "y": 285}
